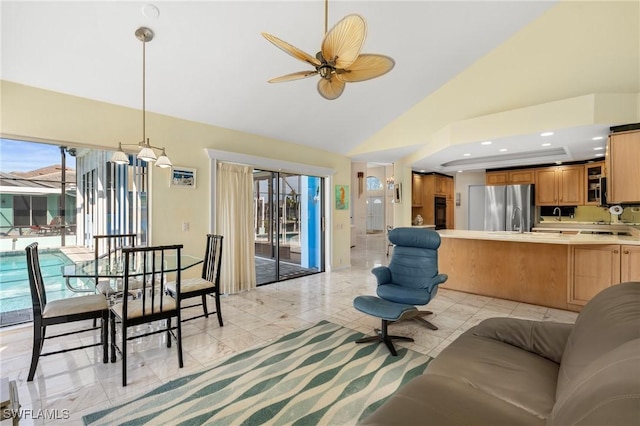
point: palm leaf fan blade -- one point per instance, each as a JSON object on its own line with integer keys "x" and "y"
{"x": 366, "y": 67}
{"x": 342, "y": 44}
{"x": 292, "y": 50}
{"x": 330, "y": 89}
{"x": 293, "y": 76}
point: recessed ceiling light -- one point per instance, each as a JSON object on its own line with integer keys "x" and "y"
{"x": 558, "y": 162}
{"x": 486, "y": 143}
{"x": 600, "y": 155}
{"x": 597, "y": 138}
{"x": 422, "y": 171}
{"x": 546, "y": 144}
{"x": 502, "y": 149}
{"x": 466, "y": 155}
{"x": 598, "y": 148}
{"x": 459, "y": 171}
{"x": 546, "y": 134}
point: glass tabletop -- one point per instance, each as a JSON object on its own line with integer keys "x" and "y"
{"x": 107, "y": 268}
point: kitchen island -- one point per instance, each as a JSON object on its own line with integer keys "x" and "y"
{"x": 550, "y": 269}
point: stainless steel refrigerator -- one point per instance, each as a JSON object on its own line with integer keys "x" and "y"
{"x": 509, "y": 208}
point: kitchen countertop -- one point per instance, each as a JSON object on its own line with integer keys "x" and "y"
{"x": 540, "y": 237}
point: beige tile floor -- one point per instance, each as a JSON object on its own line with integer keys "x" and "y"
{"x": 70, "y": 385}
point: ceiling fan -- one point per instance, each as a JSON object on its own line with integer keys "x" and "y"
{"x": 339, "y": 60}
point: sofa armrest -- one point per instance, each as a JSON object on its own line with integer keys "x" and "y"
{"x": 382, "y": 274}
{"x": 544, "y": 338}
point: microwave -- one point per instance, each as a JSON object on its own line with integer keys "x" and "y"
{"x": 603, "y": 192}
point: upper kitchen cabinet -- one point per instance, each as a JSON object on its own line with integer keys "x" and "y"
{"x": 521, "y": 177}
{"x": 497, "y": 178}
{"x": 441, "y": 186}
{"x": 592, "y": 174}
{"x": 623, "y": 170}
{"x": 560, "y": 186}
{"x": 511, "y": 177}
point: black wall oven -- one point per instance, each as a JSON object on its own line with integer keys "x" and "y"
{"x": 441, "y": 212}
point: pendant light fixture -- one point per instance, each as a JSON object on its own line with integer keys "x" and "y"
{"x": 147, "y": 152}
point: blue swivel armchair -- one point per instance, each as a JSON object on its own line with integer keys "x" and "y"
{"x": 412, "y": 276}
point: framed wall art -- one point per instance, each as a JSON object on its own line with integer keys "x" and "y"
{"x": 183, "y": 177}
{"x": 397, "y": 193}
{"x": 342, "y": 197}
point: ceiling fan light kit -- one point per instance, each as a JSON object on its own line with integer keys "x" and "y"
{"x": 339, "y": 60}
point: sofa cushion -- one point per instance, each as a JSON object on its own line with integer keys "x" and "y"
{"x": 606, "y": 392}
{"x": 545, "y": 338}
{"x": 609, "y": 320}
{"x": 432, "y": 399}
{"x": 507, "y": 373}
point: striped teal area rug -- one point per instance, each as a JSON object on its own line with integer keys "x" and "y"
{"x": 317, "y": 376}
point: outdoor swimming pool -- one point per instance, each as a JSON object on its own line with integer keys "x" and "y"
{"x": 15, "y": 295}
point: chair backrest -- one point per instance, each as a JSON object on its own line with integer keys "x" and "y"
{"x": 111, "y": 245}
{"x": 212, "y": 259}
{"x": 415, "y": 256}
{"x": 107, "y": 244}
{"x": 145, "y": 276}
{"x": 36, "y": 284}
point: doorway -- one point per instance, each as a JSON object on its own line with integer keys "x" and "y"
{"x": 375, "y": 214}
{"x": 288, "y": 217}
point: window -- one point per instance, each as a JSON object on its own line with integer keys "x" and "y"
{"x": 374, "y": 184}
{"x": 29, "y": 210}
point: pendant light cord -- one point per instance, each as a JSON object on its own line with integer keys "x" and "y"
{"x": 144, "y": 94}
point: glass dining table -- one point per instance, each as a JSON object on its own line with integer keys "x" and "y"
{"x": 106, "y": 268}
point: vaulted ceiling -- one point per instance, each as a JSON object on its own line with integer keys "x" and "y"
{"x": 456, "y": 62}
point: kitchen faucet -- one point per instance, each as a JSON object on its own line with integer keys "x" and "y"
{"x": 559, "y": 213}
{"x": 513, "y": 216}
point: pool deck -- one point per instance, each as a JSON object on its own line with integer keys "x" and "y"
{"x": 11, "y": 244}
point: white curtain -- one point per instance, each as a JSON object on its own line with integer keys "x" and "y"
{"x": 234, "y": 221}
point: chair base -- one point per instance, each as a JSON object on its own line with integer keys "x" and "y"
{"x": 382, "y": 336}
{"x": 418, "y": 317}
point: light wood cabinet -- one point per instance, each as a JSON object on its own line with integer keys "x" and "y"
{"x": 511, "y": 177}
{"x": 623, "y": 172}
{"x": 416, "y": 190}
{"x": 450, "y": 189}
{"x": 497, "y": 178}
{"x": 630, "y": 263}
{"x": 594, "y": 268}
{"x": 441, "y": 186}
{"x": 560, "y": 186}
{"x": 423, "y": 192}
{"x": 521, "y": 177}
{"x": 592, "y": 174}
{"x": 521, "y": 271}
{"x": 450, "y": 214}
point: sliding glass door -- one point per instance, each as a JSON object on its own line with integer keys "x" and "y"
{"x": 288, "y": 211}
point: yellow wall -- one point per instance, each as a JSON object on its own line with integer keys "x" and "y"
{"x": 33, "y": 114}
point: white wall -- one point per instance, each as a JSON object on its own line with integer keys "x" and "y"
{"x": 462, "y": 182}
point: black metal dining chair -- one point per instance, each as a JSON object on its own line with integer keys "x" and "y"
{"x": 74, "y": 309}
{"x": 109, "y": 247}
{"x": 147, "y": 268}
{"x": 207, "y": 284}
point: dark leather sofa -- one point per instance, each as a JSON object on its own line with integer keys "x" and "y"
{"x": 507, "y": 371}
